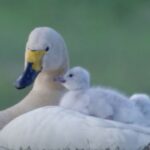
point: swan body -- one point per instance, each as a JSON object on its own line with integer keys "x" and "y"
{"x": 52, "y": 128}
{"x": 99, "y": 102}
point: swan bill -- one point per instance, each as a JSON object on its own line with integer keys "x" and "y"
{"x": 33, "y": 61}
{"x": 27, "y": 77}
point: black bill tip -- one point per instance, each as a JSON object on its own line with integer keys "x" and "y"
{"x": 27, "y": 77}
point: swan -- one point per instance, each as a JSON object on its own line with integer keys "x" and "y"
{"x": 97, "y": 101}
{"x": 46, "y": 56}
{"x": 142, "y": 101}
{"x": 54, "y": 127}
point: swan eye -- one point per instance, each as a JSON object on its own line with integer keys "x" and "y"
{"x": 47, "y": 49}
{"x": 70, "y": 75}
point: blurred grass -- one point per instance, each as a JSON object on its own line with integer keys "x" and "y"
{"x": 110, "y": 38}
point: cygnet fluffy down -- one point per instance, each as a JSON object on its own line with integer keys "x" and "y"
{"x": 142, "y": 101}
{"x": 96, "y": 101}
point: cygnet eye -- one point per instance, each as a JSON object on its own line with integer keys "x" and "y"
{"x": 47, "y": 49}
{"x": 70, "y": 75}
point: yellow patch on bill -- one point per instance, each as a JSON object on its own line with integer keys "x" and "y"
{"x": 35, "y": 57}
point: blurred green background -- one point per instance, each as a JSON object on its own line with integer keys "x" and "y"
{"x": 109, "y": 37}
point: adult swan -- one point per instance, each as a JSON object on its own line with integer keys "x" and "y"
{"x": 51, "y": 127}
{"x": 46, "y": 56}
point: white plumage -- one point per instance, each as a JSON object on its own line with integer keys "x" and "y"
{"x": 142, "y": 101}
{"x": 53, "y": 128}
{"x": 97, "y": 101}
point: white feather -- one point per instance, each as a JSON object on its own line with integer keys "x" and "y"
{"x": 53, "y": 128}
{"x": 100, "y": 102}
{"x": 142, "y": 101}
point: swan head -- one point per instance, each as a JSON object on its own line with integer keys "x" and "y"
{"x": 75, "y": 79}
{"x": 45, "y": 51}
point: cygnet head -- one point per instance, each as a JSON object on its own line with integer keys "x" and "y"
{"x": 76, "y": 78}
{"x": 45, "y": 51}
{"x": 139, "y": 97}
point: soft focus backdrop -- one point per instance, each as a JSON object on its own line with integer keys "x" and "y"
{"x": 109, "y": 37}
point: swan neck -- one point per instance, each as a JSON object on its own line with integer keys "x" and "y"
{"x": 45, "y": 80}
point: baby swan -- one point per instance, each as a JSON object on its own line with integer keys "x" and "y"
{"x": 80, "y": 96}
{"x": 96, "y": 101}
{"x": 142, "y": 101}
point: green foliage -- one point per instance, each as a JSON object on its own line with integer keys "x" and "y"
{"x": 109, "y": 37}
